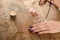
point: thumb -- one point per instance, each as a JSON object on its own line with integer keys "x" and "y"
{"x": 51, "y": 1}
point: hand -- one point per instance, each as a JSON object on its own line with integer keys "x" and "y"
{"x": 55, "y": 3}
{"x": 42, "y": 2}
{"x": 48, "y": 27}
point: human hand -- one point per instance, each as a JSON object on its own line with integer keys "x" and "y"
{"x": 42, "y": 2}
{"x": 48, "y": 27}
{"x": 55, "y": 2}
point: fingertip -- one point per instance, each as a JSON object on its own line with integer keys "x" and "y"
{"x": 30, "y": 30}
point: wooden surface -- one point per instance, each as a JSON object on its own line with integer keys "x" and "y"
{"x": 17, "y": 29}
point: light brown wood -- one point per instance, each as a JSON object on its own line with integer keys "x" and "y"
{"x": 17, "y": 29}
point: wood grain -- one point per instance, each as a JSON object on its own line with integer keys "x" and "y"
{"x": 17, "y": 29}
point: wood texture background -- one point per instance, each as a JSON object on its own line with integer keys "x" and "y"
{"x": 18, "y": 29}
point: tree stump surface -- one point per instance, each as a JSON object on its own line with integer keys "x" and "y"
{"x": 17, "y": 29}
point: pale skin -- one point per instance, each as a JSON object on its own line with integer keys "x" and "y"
{"x": 48, "y": 26}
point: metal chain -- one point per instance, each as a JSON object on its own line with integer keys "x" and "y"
{"x": 48, "y": 10}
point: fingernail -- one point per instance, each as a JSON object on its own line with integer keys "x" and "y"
{"x": 30, "y": 26}
{"x": 30, "y": 30}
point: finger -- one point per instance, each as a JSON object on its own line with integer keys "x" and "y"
{"x": 42, "y": 2}
{"x": 39, "y": 30}
{"x": 51, "y": 1}
{"x": 42, "y": 23}
{"x": 33, "y": 28}
{"x": 36, "y": 24}
{"x": 44, "y": 32}
{"x": 39, "y": 26}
